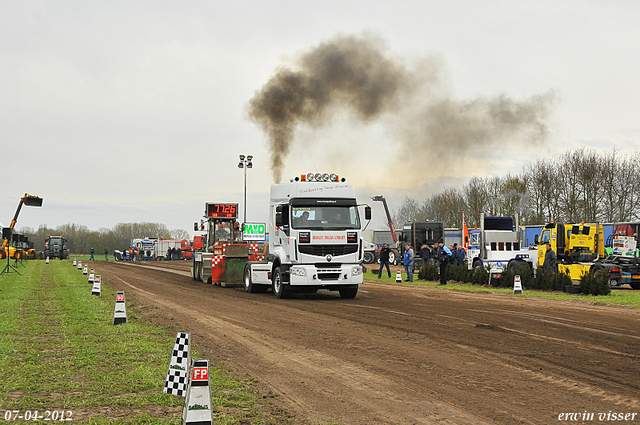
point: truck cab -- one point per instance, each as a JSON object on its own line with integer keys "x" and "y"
{"x": 496, "y": 246}
{"x": 315, "y": 239}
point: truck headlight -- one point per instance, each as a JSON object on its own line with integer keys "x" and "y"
{"x": 297, "y": 271}
{"x": 357, "y": 270}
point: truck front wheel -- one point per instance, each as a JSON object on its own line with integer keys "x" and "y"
{"x": 279, "y": 289}
{"x": 477, "y": 264}
{"x": 349, "y": 293}
{"x": 635, "y": 285}
{"x": 248, "y": 285}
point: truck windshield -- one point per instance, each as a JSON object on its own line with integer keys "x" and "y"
{"x": 325, "y": 217}
{"x": 545, "y": 238}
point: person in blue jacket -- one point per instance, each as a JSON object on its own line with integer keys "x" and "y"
{"x": 408, "y": 262}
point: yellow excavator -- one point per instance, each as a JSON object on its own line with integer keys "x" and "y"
{"x": 6, "y": 250}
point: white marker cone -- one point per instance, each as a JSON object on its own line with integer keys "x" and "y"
{"x": 47, "y": 262}
{"x": 517, "y": 285}
{"x": 197, "y": 404}
{"x": 74, "y": 262}
{"x": 176, "y": 381}
{"x": 120, "y": 310}
{"x": 84, "y": 271}
{"x": 79, "y": 265}
{"x": 95, "y": 290}
{"x": 398, "y": 276}
{"x": 91, "y": 276}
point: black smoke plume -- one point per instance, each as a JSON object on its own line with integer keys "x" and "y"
{"x": 358, "y": 74}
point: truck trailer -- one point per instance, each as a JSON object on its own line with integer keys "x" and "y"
{"x": 315, "y": 239}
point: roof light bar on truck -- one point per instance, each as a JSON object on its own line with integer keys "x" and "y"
{"x": 319, "y": 177}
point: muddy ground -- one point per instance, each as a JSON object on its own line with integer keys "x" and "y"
{"x": 404, "y": 354}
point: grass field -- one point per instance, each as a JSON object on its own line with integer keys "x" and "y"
{"x": 60, "y": 352}
{"x": 622, "y": 297}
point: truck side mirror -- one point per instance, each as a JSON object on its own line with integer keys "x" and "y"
{"x": 195, "y": 227}
{"x": 279, "y": 216}
{"x": 367, "y": 212}
{"x": 535, "y": 239}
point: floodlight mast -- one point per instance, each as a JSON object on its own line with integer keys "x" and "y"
{"x": 28, "y": 200}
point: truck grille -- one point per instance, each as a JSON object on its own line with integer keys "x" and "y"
{"x": 328, "y": 276}
{"x": 322, "y": 250}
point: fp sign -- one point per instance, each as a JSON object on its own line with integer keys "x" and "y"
{"x": 254, "y": 232}
{"x": 200, "y": 374}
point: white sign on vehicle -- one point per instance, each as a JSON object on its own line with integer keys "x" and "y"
{"x": 254, "y": 232}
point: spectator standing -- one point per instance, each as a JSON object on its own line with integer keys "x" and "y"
{"x": 550, "y": 260}
{"x": 384, "y": 260}
{"x": 106, "y": 254}
{"x": 425, "y": 253}
{"x": 462, "y": 254}
{"x": 444, "y": 256}
{"x": 92, "y": 254}
{"x": 408, "y": 262}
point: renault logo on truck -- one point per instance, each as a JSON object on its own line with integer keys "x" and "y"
{"x": 329, "y": 257}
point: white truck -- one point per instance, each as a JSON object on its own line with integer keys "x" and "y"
{"x": 315, "y": 239}
{"x": 496, "y": 246}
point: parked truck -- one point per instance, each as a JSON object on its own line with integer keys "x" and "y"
{"x": 197, "y": 245}
{"x": 56, "y": 247}
{"x": 580, "y": 249}
{"x": 146, "y": 246}
{"x": 419, "y": 233}
{"x": 315, "y": 239}
{"x": 497, "y": 247}
{"x": 161, "y": 248}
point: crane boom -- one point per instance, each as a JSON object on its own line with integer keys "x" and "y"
{"x": 381, "y": 198}
{"x": 28, "y": 200}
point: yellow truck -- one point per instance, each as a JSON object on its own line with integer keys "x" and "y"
{"x": 580, "y": 249}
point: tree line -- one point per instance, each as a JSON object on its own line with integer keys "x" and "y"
{"x": 580, "y": 185}
{"x": 80, "y": 239}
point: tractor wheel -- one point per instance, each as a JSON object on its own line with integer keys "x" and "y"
{"x": 369, "y": 258}
{"x": 393, "y": 257}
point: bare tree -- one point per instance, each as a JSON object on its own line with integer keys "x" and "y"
{"x": 446, "y": 207}
{"x": 179, "y": 234}
{"x": 407, "y": 212}
{"x": 476, "y": 198}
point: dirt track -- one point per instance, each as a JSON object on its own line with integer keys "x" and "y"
{"x": 405, "y": 355}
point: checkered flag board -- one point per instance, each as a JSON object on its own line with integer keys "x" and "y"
{"x": 176, "y": 380}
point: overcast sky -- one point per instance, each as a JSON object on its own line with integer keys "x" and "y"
{"x": 131, "y": 111}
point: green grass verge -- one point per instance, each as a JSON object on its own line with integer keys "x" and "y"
{"x": 59, "y": 350}
{"x": 621, "y": 297}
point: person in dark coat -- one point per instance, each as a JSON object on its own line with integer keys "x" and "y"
{"x": 425, "y": 253}
{"x": 444, "y": 256}
{"x": 550, "y": 260}
{"x": 384, "y": 260}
